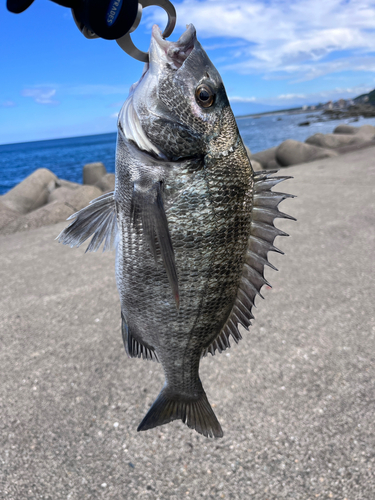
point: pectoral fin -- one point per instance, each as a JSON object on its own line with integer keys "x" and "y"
{"x": 148, "y": 207}
{"x": 99, "y": 220}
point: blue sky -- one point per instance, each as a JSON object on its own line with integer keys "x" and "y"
{"x": 271, "y": 54}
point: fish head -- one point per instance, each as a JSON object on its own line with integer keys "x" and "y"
{"x": 179, "y": 107}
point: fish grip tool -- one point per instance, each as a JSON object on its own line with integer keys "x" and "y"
{"x": 109, "y": 19}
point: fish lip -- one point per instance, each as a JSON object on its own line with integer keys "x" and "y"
{"x": 175, "y": 53}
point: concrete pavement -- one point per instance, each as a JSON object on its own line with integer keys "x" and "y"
{"x": 295, "y": 398}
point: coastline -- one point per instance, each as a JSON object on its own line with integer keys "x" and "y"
{"x": 66, "y": 157}
{"x": 42, "y": 198}
{"x": 294, "y": 111}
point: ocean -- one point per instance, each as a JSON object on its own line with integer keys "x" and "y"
{"x": 66, "y": 157}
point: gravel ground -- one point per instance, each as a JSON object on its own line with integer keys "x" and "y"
{"x": 295, "y": 398}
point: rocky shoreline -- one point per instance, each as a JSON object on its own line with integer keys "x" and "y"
{"x": 354, "y": 111}
{"x": 43, "y": 199}
{"x": 344, "y": 139}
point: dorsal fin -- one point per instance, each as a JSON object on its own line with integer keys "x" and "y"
{"x": 262, "y": 235}
{"x": 98, "y": 219}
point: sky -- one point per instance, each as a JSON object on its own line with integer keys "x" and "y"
{"x": 271, "y": 54}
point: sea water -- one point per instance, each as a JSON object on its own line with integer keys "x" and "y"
{"x": 66, "y": 157}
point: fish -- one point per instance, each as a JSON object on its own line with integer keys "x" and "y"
{"x": 191, "y": 222}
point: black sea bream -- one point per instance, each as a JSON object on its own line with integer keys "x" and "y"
{"x": 191, "y": 222}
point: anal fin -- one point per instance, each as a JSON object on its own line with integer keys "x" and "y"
{"x": 133, "y": 347}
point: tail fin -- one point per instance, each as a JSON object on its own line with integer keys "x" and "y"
{"x": 195, "y": 413}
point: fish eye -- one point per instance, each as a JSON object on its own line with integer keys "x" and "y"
{"x": 204, "y": 95}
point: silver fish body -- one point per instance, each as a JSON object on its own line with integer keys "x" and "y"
{"x": 191, "y": 222}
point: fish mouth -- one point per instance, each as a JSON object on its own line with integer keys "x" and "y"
{"x": 175, "y": 53}
{"x": 162, "y": 53}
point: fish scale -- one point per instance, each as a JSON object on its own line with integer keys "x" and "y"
{"x": 191, "y": 222}
{"x": 212, "y": 264}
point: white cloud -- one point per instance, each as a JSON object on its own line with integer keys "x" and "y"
{"x": 227, "y": 45}
{"x": 359, "y": 89}
{"x": 322, "y": 96}
{"x": 286, "y": 37}
{"x": 7, "y": 104}
{"x": 41, "y": 95}
{"x": 291, "y": 96}
{"x": 241, "y": 99}
{"x": 340, "y": 92}
{"x": 45, "y": 93}
{"x": 95, "y": 89}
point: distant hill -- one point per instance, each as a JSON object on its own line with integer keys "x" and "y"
{"x": 366, "y": 98}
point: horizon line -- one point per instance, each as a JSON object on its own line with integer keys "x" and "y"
{"x": 115, "y": 131}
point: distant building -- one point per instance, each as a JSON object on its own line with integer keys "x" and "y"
{"x": 344, "y": 104}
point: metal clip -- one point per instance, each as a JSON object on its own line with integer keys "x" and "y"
{"x": 126, "y": 43}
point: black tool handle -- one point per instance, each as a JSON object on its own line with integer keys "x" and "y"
{"x": 109, "y": 19}
{"x": 18, "y": 6}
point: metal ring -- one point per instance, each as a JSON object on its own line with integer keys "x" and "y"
{"x": 126, "y": 43}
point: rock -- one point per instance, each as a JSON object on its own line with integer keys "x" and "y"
{"x": 345, "y": 129}
{"x": 273, "y": 165}
{"x": 333, "y": 141}
{"x": 345, "y": 136}
{"x": 92, "y": 172}
{"x": 6, "y": 215}
{"x": 75, "y": 198}
{"x": 304, "y": 124}
{"x": 106, "y": 183}
{"x": 68, "y": 184}
{"x": 368, "y": 131}
{"x": 257, "y": 167}
{"x": 265, "y": 156}
{"x": 62, "y": 202}
{"x": 292, "y": 152}
{"x": 32, "y": 192}
{"x": 52, "y": 185}
{"x": 43, "y": 216}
